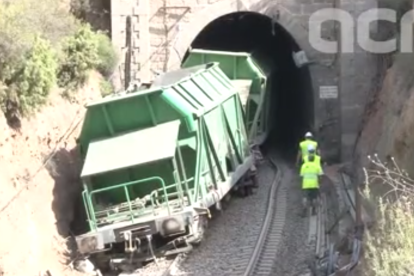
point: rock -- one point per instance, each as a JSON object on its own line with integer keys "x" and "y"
{"x": 85, "y": 266}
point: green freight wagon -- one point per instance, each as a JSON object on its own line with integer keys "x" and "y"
{"x": 250, "y": 80}
{"x": 156, "y": 160}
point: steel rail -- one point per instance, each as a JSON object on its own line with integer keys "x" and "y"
{"x": 266, "y": 236}
{"x": 267, "y": 223}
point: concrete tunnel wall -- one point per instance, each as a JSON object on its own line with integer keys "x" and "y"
{"x": 337, "y": 120}
{"x": 329, "y": 137}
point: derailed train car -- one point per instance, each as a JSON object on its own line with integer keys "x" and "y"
{"x": 249, "y": 79}
{"x": 156, "y": 160}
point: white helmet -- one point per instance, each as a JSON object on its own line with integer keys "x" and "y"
{"x": 308, "y": 135}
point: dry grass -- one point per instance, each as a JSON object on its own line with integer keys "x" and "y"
{"x": 389, "y": 246}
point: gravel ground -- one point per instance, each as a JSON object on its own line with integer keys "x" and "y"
{"x": 232, "y": 235}
{"x": 151, "y": 269}
{"x": 294, "y": 245}
{"x": 228, "y": 242}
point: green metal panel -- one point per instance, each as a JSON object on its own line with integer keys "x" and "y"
{"x": 131, "y": 149}
{"x": 236, "y": 65}
{"x": 116, "y": 115}
{"x": 200, "y": 89}
{"x": 248, "y": 79}
{"x": 216, "y": 134}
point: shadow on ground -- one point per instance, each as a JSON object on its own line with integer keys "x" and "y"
{"x": 64, "y": 168}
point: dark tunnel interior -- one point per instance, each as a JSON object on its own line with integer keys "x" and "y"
{"x": 272, "y": 46}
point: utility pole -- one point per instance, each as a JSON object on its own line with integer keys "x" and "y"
{"x": 128, "y": 54}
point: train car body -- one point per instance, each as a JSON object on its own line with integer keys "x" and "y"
{"x": 156, "y": 160}
{"x": 250, "y": 79}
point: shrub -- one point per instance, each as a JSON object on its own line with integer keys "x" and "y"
{"x": 83, "y": 51}
{"x": 389, "y": 246}
{"x": 30, "y": 32}
{"x": 29, "y": 85}
{"x": 16, "y": 35}
{"x": 41, "y": 42}
{"x": 80, "y": 54}
{"x": 108, "y": 58}
{"x": 21, "y": 21}
{"x": 37, "y": 77}
{"x": 106, "y": 88}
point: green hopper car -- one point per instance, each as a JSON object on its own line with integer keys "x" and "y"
{"x": 251, "y": 81}
{"x": 156, "y": 160}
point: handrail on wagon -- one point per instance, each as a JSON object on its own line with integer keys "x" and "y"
{"x": 154, "y": 193}
{"x": 85, "y": 203}
{"x": 205, "y": 172}
{"x": 91, "y": 209}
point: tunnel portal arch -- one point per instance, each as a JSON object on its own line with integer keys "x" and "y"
{"x": 272, "y": 45}
{"x": 197, "y": 21}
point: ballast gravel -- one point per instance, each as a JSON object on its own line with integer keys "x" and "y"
{"x": 230, "y": 238}
{"x": 294, "y": 246}
{"x": 152, "y": 269}
{"x": 232, "y": 235}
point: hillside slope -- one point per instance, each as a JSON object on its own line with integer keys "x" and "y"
{"x": 32, "y": 221}
{"x": 388, "y": 130}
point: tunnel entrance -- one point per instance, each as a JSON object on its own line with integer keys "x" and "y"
{"x": 271, "y": 46}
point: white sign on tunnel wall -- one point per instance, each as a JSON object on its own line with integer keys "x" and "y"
{"x": 328, "y": 92}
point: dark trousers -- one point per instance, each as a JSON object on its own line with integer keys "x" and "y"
{"x": 311, "y": 194}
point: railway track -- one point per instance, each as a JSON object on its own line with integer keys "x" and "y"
{"x": 260, "y": 253}
{"x": 259, "y": 258}
{"x": 265, "y": 254}
{"x": 263, "y": 257}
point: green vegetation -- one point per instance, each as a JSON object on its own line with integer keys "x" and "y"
{"x": 31, "y": 82}
{"x": 107, "y": 56}
{"x": 106, "y": 88}
{"x": 80, "y": 54}
{"x": 41, "y": 45}
{"x": 389, "y": 246}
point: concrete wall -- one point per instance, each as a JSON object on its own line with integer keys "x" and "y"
{"x": 358, "y": 73}
{"x": 167, "y": 28}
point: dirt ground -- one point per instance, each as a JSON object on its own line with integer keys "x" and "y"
{"x": 36, "y": 202}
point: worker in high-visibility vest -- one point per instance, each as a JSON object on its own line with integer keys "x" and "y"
{"x": 312, "y": 152}
{"x": 303, "y": 147}
{"x": 311, "y": 173}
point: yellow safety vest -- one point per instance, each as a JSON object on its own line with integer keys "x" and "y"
{"x": 309, "y": 173}
{"x": 304, "y": 147}
{"x": 317, "y": 159}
